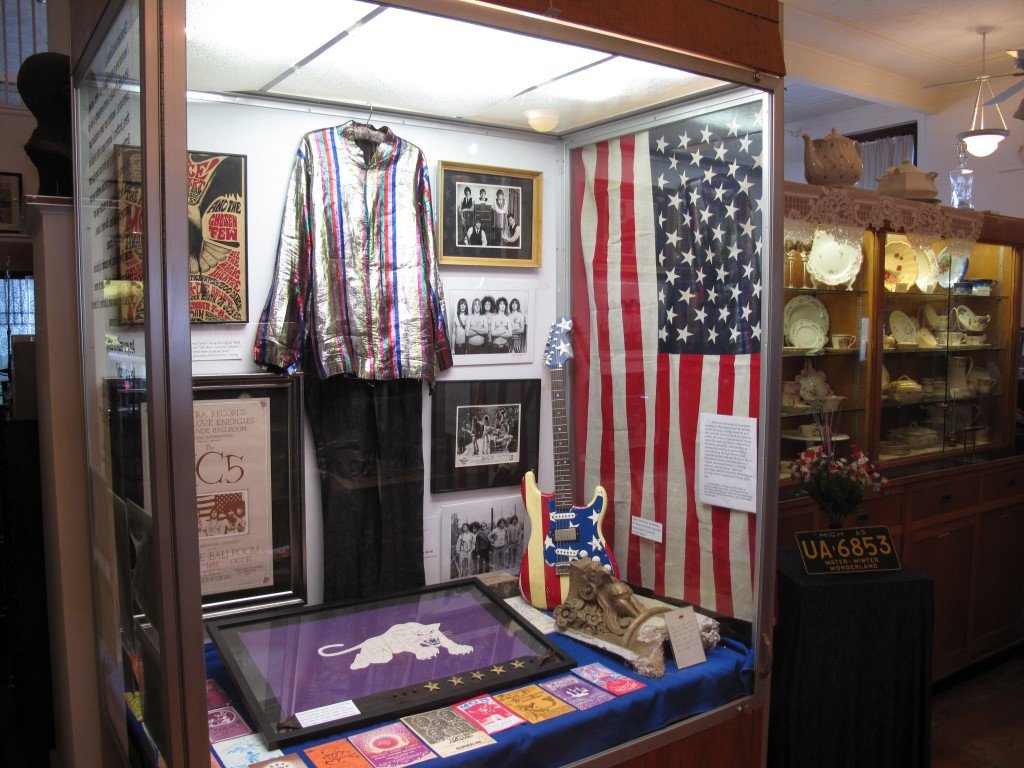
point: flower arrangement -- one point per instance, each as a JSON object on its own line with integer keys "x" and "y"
{"x": 836, "y": 484}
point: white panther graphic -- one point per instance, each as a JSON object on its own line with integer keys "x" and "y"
{"x": 421, "y": 640}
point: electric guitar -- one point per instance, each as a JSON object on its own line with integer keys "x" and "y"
{"x": 559, "y": 532}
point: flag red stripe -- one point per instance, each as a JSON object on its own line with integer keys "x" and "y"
{"x": 581, "y": 331}
{"x": 720, "y": 517}
{"x": 690, "y": 369}
{"x": 662, "y": 412}
{"x": 633, "y": 342}
{"x": 600, "y": 271}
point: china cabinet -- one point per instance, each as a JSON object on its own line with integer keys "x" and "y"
{"x": 899, "y": 319}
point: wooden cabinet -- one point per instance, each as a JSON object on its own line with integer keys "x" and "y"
{"x": 946, "y": 554}
{"x": 963, "y": 526}
{"x": 998, "y": 605}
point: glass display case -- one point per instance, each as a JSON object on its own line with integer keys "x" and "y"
{"x": 898, "y": 319}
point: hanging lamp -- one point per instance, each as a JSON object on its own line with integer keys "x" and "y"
{"x": 982, "y": 141}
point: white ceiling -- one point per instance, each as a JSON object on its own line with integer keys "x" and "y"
{"x": 360, "y": 53}
{"x": 888, "y": 50}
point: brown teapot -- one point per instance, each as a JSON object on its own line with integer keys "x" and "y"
{"x": 834, "y": 161}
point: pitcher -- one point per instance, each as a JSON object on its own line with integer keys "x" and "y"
{"x": 959, "y": 369}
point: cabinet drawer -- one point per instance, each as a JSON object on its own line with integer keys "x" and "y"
{"x": 1002, "y": 483}
{"x": 936, "y": 499}
{"x": 886, "y": 509}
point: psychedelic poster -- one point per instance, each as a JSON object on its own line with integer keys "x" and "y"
{"x": 217, "y": 257}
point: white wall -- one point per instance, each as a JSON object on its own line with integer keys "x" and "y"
{"x": 936, "y": 142}
{"x": 269, "y": 138}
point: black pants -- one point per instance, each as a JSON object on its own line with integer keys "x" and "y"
{"x": 369, "y": 448}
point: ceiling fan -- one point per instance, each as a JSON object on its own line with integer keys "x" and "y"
{"x": 1018, "y": 64}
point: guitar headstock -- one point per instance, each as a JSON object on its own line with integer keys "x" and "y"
{"x": 558, "y": 350}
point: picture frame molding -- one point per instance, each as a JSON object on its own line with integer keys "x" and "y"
{"x": 536, "y": 179}
{"x": 16, "y": 182}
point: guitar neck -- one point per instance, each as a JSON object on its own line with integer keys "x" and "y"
{"x": 560, "y": 432}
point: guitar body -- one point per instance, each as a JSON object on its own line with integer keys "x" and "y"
{"x": 543, "y": 572}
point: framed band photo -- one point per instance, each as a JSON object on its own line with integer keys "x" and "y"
{"x": 483, "y": 434}
{"x": 489, "y": 216}
{"x": 490, "y": 320}
{"x": 10, "y": 202}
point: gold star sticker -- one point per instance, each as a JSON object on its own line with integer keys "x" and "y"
{"x": 477, "y": 675}
{"x": 455, "y": 680}
{"x": 518, "y": 664}
{"x": 498, "y": 670}
{"x": 432, "y": 687}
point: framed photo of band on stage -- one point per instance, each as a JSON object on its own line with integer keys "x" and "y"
{"x": 489, "y": 216}
{"x": 484, "y": 434}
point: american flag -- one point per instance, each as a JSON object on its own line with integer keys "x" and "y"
{"x": 666, "y": 283}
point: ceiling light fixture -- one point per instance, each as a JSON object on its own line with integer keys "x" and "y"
{"x": 982, "y": 141}
{"x": 542, "y": 120}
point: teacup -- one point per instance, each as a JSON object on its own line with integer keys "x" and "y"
{"x": 949, "y": 338}
{"x": 975, "y": 341}
{"x": 810, "y": 430}
{"x": 843, "y": 341}
{"x": 888, "y": 342}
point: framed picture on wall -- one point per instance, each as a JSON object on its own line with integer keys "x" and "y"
{"x": 10, "y": 202}
{"x": 249, "y": 488}
{"x": 489, "y": 216}
{"x": 483, "y": 536}
{"x": 490, "y": 320}
{"x": 217, "y": 247}
{"x": 483, "y": 434}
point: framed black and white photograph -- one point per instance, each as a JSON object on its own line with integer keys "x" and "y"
{"x": 489, "y": 216}
{"x": 483, "y": 536}
{"x": 490, "y": 320}
{"x": 484, "y": 434}
{"x": 10, "y": 202}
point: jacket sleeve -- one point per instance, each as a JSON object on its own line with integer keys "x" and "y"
{"x": 282, "y": 329}
{"x": 438, "y": 343}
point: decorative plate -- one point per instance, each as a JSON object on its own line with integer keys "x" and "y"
{"x": 926, "y": 339}
{"x": 886, "y": 381}
{"x": 900, "y": 265}
{"x": 952, "y": 268}
{"x": 927, "y": 270}
{"x": 903, "y": 328}
{"x": 806, "y": 334}
{"x": 834, "y": 261}
{"x": 934, "y": 319}
{"x": 805, "y": 308}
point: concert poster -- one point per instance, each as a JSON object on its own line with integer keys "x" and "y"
{"x": 233, "y": 501}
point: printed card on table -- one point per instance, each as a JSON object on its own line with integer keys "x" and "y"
{"x": 391, "y": 746}
{"x": 534, "y": 703}
{"x": 225, "y": 723}
{"x": 488, "y": 714}
{"x": 608, "y": 679}
{"x": 336, "y": 754}
{"x": 215, "y": 696}
{"x": 284, "y": 761}
{"x": 244, "y": 751}
{"x": 446, "y": 732}
{"x": 579, "y": 693}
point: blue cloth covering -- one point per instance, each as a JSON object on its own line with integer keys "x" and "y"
{"x": 727, "y": 675}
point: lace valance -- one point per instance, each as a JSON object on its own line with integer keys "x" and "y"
{"x": 806, "y": 206}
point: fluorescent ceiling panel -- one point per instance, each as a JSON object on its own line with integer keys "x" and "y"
{"x": 241, "y": 45}
{"x": 608, "y": 90}
{"x": 419, "y": 63}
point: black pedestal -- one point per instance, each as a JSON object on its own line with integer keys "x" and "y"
{"x": 851, "y": 682}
